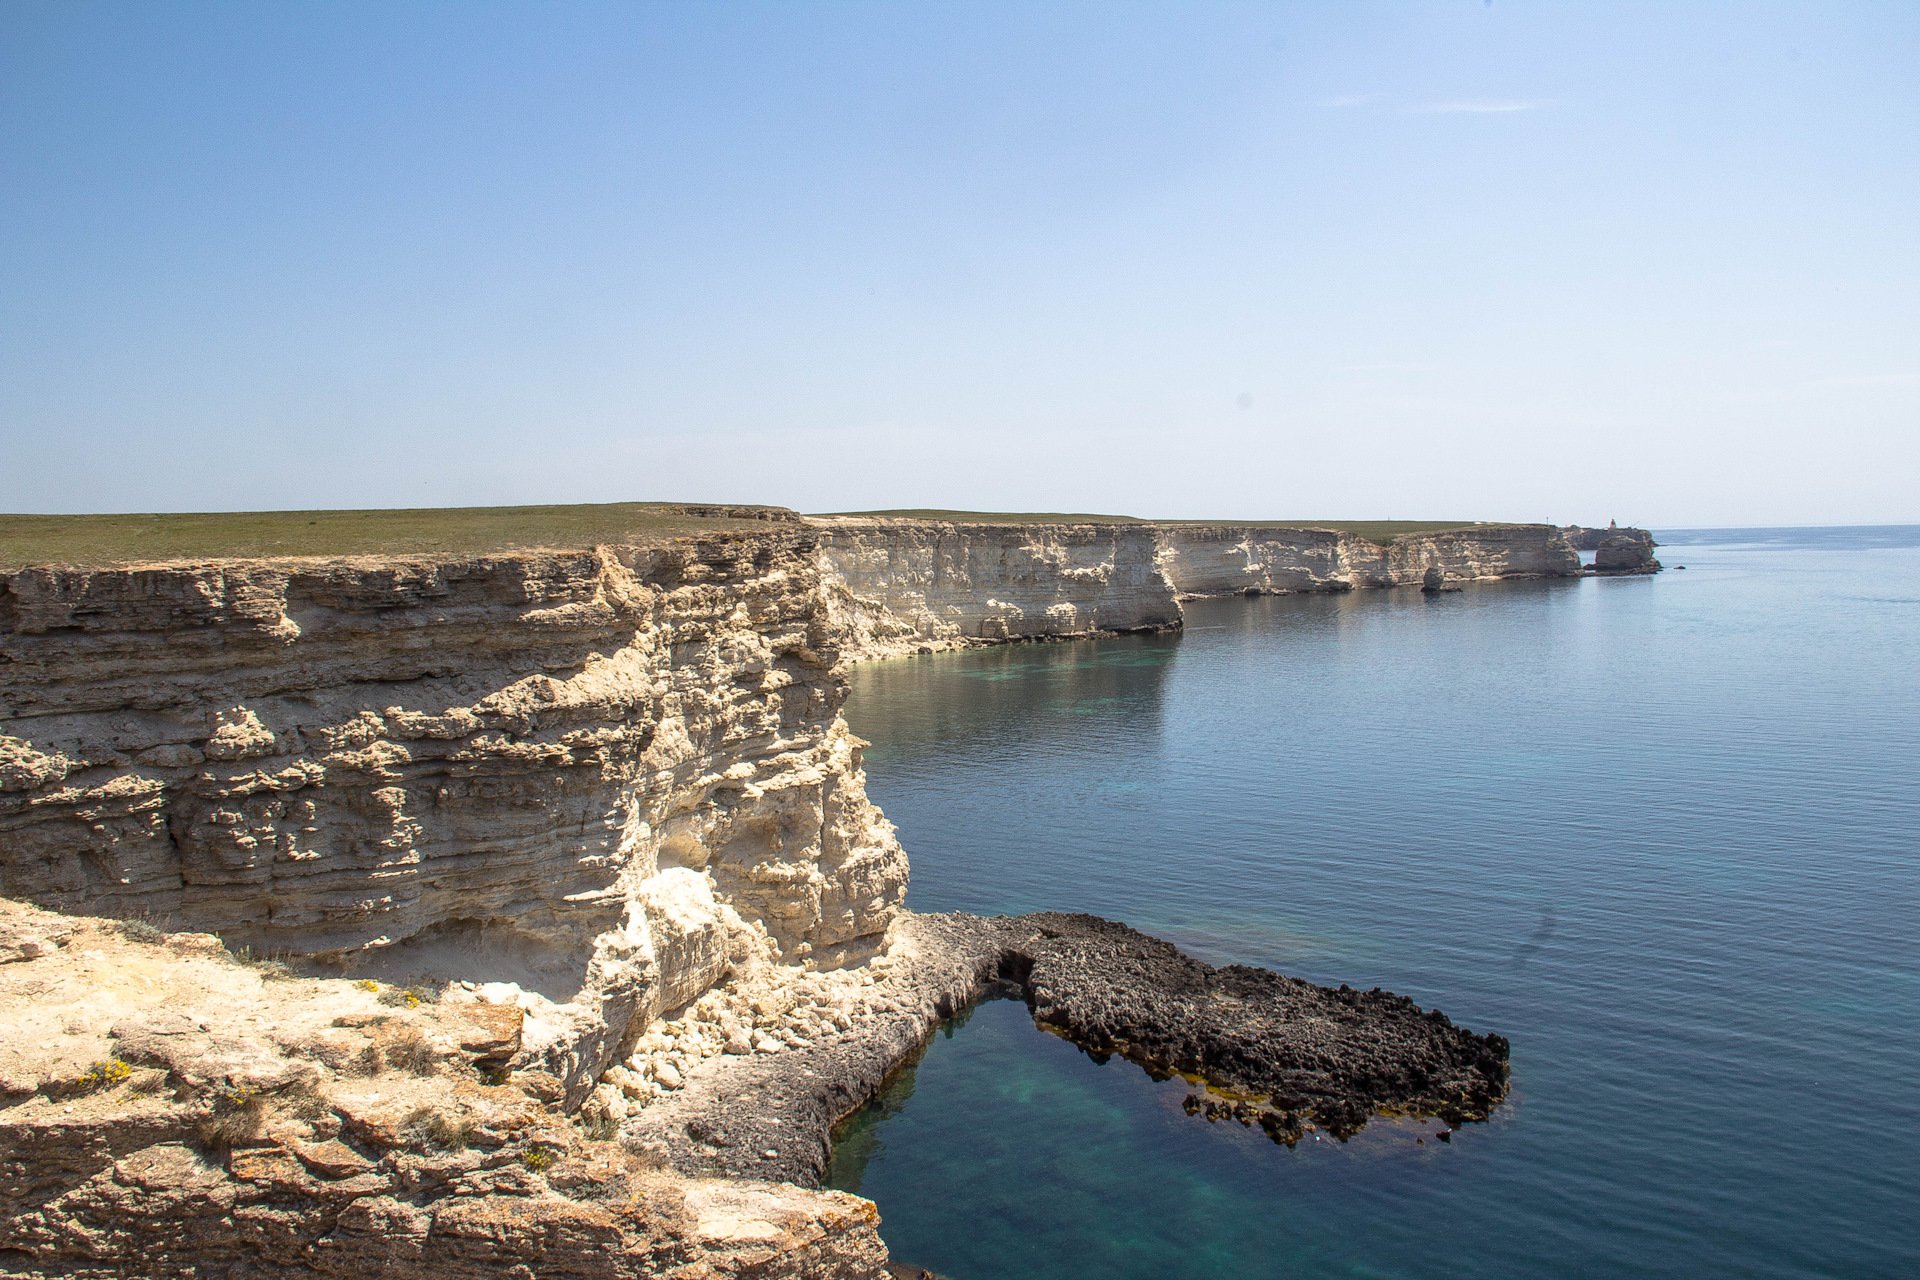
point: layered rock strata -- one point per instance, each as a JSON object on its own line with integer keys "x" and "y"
{"x": 1626, "y": 551}
{"x": 896, "y": 585}
{"x": 1213, "y": 560}
{"x": 1260, "y": 1047}
{"x": 900, "y": 584}
{"x": 167, "y": 1110}
{"x": 596, "y": 777}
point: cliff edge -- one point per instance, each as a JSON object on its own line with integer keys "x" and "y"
{"x": 603, "y": 777}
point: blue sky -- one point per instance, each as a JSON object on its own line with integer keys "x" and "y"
{"x": 1522, "y": 260}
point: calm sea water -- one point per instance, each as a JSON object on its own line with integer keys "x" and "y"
{"x": 1662, "y": 833}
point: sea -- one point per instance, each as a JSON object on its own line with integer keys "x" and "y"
{"x": 1663, "y": 833}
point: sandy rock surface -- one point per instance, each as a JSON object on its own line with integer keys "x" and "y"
{"x": 169, "y": 1110}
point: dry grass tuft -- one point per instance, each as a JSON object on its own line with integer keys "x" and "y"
{"x": 408, "y": 1050}
{"x": 144, "y": 931}
{"x": 239, "y": 1113}
{"x": 430, "y": 1127}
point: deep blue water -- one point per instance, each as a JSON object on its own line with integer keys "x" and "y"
{"x": 1664, "y": 834}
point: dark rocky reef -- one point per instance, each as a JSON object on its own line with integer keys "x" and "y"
{"x": 1286, "y": 1051}
{"x": 1260, "y": 1047}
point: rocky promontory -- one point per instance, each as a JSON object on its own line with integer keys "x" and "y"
{"x": 1619, "y": 550}
{"x": 1256, "y": 1046}
{"x": 1627, "y": 551}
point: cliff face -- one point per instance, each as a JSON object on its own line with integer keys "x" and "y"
{"x": 897, "y": 584}
{"x": 601, "y": 775}
{"x": 1589, "y": 538}
{"x": 1628, "y": 551}
{"x": 1210, "y": 560}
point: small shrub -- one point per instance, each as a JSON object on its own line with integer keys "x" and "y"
{"x": 105, "y": 1074}
{"x": 239, "y": 1112}
{"x": 367, "y": 984}
{"x": 409, "y": 1050}
{"x": 269, "y": 967}
{"x": 537, "y": 1158}
{"x": 431, "y": 1127}
{"x": 599, "y": 1125}
{"x": 494, "y": 1075}
{"x": 411, "y": 997}
{"x": 303, "y": 1099}
{"x": 142, "y": 931}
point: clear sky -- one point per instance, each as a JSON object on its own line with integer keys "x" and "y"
{"x": 1517, "y": 260}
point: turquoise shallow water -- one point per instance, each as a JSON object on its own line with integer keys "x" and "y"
{"x": 1663, "y": 834}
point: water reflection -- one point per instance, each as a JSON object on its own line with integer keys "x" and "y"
{"x": 1050, "y": 697}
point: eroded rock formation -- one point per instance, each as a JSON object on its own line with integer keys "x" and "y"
{"x": 900, "y": 584}
{"x": 1212, "y": 560}
{"x": 1273, "y": 1051}
{"x": 167, "y": 1110}
{"x": 1626, "y": 551}
{"x": 592, "y": 774}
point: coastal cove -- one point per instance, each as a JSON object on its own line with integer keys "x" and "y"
{"x": 1656, "y": 832}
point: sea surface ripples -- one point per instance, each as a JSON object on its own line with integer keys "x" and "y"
{"x": 1660, "y": 833}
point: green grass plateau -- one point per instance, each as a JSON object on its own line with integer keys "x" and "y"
{"x": 111, "y": 540}
{"x": 117, "y": 540}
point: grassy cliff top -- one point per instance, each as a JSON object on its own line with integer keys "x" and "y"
{"x": 110, "y": 540}
{"x": 103, "y": 541}
{"x": 1380, "y": 532}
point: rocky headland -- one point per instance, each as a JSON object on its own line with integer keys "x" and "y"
{"x": 1618, "y": 551}
{"x": 485, "y": 908}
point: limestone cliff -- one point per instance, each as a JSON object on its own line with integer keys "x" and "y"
{"x": 900, "y": 583}
{"x": 598, "y": 774}
{"x": 1211, "y": 560}
{"x": 897, "y": 584}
